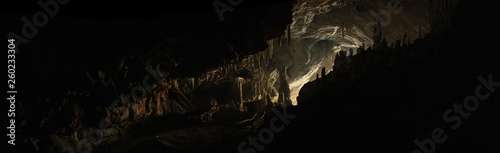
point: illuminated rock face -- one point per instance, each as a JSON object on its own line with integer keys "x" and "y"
{"x": 322, "y": 28}
{"x": 76, "y": 93}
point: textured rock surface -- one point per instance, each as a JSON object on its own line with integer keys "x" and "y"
{"x": 200, "y": 71}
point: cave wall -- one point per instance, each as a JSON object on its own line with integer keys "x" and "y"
{"x": 187, "y": 68}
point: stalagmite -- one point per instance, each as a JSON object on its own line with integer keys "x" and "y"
{"x": 192, "y": 83}
{"x": 176, "y": 84}
{"x": 404, "y": 39}
{"x": 343, "y": 33}
{"x": 259, "y": 59}
{"x": 280, "y": 41}
{"x": 323, "y": 72}
{"x": 419, "y": 31}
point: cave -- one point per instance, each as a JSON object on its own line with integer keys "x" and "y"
{"x": 417, "y": 76}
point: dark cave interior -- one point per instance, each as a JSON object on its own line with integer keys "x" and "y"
{"x": 281, "y": 76}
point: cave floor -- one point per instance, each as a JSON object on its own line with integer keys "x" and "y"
{"x": 221, "y": 135}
